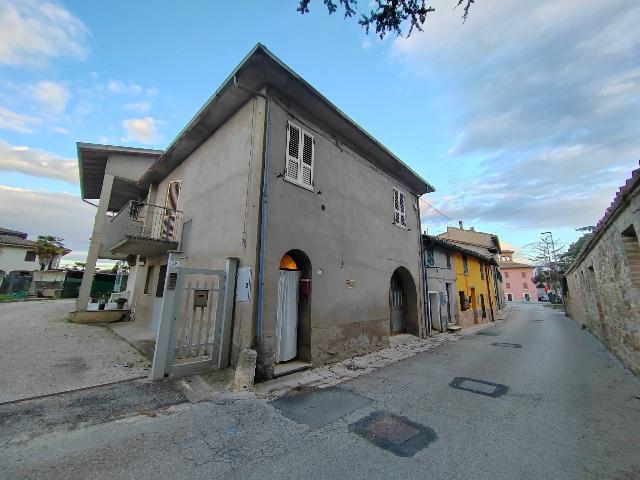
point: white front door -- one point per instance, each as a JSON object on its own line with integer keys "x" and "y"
{"x": 287, "y": 316}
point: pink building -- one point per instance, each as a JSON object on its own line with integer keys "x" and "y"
{"x": 517, "y": 279}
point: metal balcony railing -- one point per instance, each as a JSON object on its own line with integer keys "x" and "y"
{"x": 143, "y": 221}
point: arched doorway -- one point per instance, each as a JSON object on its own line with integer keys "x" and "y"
{"x": 293, "y": 317}
{"x": 403, "y": 303}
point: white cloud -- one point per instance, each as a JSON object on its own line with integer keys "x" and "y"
{"x": 122, "y": 88}
{"x": 62, "y": 130}
{"x": 38, "y": 163}
{"x": 143, "y": 130}
{"x": 42, "y": 213}
{"x": 32, "y": 32}
{"x": 141, "y": 107}
{"x": 54, "y": 96}
{"x": 545, "y": 96}
{"x": 17, "y": 122}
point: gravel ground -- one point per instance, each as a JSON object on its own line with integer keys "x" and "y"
{"x": 41, "y": 353}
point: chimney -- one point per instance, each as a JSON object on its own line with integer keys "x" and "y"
{"x": 461, "y": 225}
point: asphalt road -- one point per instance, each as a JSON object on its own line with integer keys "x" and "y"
{"x": 559, "y": 406}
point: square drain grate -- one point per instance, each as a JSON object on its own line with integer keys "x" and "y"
{"x": 400, "y": 436}
{"x": 481, "y": 387}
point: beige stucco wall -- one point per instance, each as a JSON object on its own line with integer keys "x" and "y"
{"x": 345, "y": 228}
{"x": 607, "y": 299}
{"x": 352, "y": 238}
{"x": 219, "y": 198}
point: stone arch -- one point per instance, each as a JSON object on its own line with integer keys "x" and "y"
{"x": 296, "y": 259}
{"x": 403, "y": 303}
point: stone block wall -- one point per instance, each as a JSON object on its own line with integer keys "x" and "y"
{"x": 604, "y": 287}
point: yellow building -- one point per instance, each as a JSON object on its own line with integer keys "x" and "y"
{"x": 475, "y": 288}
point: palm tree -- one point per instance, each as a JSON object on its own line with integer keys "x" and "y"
{"x": 48, "y": 247}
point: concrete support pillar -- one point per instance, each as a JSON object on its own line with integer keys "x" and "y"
{"x": 97, "y": 239}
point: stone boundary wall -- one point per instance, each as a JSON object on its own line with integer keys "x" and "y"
{"x": 604, "y": 286}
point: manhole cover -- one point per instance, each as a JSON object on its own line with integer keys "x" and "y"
{"x": 320, "y": 407}
{"x": 481, "y": 387}
{"x": 393, "y": 429}
{"x": 396, "y": 434}
{"x": 506, "y": 345}
{"x": 488, "y": 334}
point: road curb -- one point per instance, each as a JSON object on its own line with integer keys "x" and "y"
{"x": 71, "y": 390}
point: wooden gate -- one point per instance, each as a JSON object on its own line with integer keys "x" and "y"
{"x": 195, "y": 321}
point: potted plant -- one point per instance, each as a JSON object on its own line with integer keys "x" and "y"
{"x": 102, "y": 300}
{"x": 120, "y": 302}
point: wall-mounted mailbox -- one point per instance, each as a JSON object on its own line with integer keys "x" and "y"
{"x": 200, "y": 298}
{"x": 304, "y": 287}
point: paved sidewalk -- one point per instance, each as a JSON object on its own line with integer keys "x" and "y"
{"x": 402, "y": 347}
{"x": 41, "y": 353}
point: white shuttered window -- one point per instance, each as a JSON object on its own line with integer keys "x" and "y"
{"x": 300, "y": 154}
{"x": 398, "y": 209}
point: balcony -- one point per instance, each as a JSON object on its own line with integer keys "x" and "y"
{"x": 143, "y": 229}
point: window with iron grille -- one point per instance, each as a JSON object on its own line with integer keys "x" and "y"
{"x": 300, "y": 156}
{"x": 30, "y": 256}
{"x": 399, "y": 218}
{"x": 431, "y": 262}
{"x": 481, "y": 271}
{"x": 465, "y": 265}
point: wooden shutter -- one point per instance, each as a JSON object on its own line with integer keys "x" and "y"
{"x": 292, "y": 169}
{"x": 307, "y": 160}
{"x": 398, "y": 208}
{"x": 170, "y": 207}
{"x": 300, "y": 154}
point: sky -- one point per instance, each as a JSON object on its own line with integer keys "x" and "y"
{"x": 525, "y": 118}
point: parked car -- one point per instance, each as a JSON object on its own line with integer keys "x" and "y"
{"x": 543, "y": 298}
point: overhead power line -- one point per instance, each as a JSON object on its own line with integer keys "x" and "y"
{"x": 437, "y": 211}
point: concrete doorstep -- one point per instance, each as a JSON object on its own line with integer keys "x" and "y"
{"x": 402, "y": 347}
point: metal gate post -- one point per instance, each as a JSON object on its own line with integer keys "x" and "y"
{"x": 231, "y": 272}
{"x": 163, "y": 352}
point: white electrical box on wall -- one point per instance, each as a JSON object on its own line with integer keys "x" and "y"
{"x": 243, "y": 285}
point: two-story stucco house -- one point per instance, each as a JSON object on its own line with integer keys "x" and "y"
{"x": 487, "y": 245}
{"x": 518, "y": 278}
{"x": 323, "y": 220}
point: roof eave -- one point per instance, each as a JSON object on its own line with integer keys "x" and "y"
{"x": 155, "y": 173}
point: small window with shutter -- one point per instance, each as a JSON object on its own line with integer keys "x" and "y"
{"x": 300, "y": 153}
{"x": 399, "y": 218}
